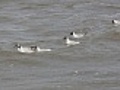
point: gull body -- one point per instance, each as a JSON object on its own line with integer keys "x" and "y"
{"x": 38, "y": 49}
{"x": 79, "y": 35}
{"x": 116, "y": 22}
{"x": 31, "y": 49}
{"x": 24, "y": 49}
{"x": 70, "y": 42}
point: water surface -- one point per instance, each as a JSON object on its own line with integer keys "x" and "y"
{"x": 92, "y": 65}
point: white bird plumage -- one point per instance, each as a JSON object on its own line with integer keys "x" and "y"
{"x": 24, "y": 49}
{"x": 79, "y": 35}
{"x": 42, "y": 50}
{"x": 31, "y": 49}
{"x": 70, "y": 42}
{"x": 116, "y": 22}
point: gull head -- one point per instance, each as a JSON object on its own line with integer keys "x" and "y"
{"x": 34, "y": 47}
{"x": 65, "y": 38}
{"x": 17, "y": 45}
{"x": 71, "y": 33}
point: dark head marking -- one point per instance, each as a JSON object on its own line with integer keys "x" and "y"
{"x": 113, "y": 21}
{"x": 65, "y": 38}
{"x": 71, "y": 33}
{"x": 33, "y": 47}
{"x": 17, "y": 45}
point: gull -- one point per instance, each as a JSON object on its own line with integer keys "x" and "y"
{"x": 116, "y": 22}
{"x": 31, "y": 49}
{"x": 70, "y": 42}
{"x": 38, "y": 49}
{"x": 23, "y": 49}
{"x": 79, "y": 35}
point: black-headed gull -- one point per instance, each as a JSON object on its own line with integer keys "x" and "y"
{"x": 31, "y": 49}
{"x": 116, "y": 22}
{"x": 23, "y": 49}
{"x": 70, "y": 42}
{"x": 78, "y": 35}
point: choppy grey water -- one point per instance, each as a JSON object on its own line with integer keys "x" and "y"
{"x": 92, "y": 65}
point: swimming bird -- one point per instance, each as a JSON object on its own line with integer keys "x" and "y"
{"x": 116, "y": 22}
{"x": 31, "y": 49}
{"x": 70, "y": 42}
{"x": 79, "y": 35}
{"x": 38, "y": 49}
{"x": 24, "y": 49}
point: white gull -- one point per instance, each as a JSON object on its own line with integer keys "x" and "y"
{"x": 70, "y": 42}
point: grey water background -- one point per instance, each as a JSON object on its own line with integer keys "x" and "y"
{"x": 92, "y": 65}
